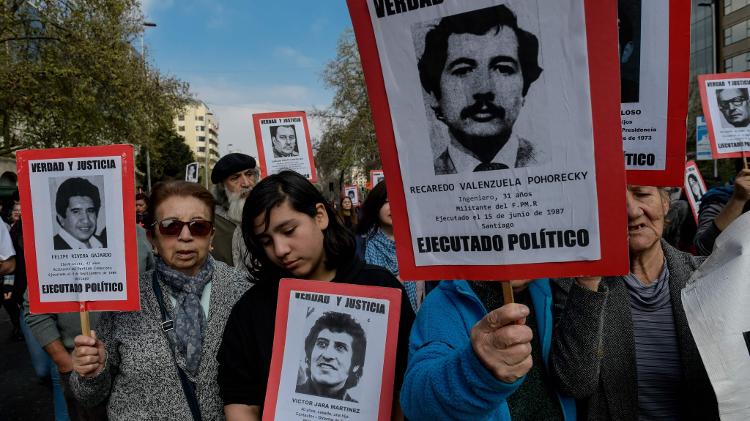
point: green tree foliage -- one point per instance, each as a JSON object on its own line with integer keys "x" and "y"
{"x": 169, "y": 156}
{"x": 348, "y": 138}
{"x": 71, "y": 74}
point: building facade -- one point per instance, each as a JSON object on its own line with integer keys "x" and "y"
{"x": 720, "y": 36}
{"x": 200, "y": 128}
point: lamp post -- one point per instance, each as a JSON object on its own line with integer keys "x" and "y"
{"x": 714, "y": 52}
{"x": 145, "y": 25}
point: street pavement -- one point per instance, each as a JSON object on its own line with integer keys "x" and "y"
{"x": 22, "y": 396}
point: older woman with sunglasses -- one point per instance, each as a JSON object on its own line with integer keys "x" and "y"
{"x": 160, "y": 362}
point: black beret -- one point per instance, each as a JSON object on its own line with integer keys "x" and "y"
{"x": 230, "y": 164}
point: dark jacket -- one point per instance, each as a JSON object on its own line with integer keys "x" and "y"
{"x": 593, "y": 347}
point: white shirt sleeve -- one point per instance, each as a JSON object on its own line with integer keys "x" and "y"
{"x": 6, "y": 245}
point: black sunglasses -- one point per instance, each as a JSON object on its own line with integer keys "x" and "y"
{"x": 173, "y": 227}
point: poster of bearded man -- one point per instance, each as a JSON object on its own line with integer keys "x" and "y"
{"x": 283, "y": 141}
{"x": 499, "y": 135}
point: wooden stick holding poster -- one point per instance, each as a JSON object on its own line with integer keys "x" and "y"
{"x": 284, "y": 143}
{"x": 725, "y": 98}
{"x": 81, "y": 254}
{"x": 313, "y": 319}
{"x": 654, "y": 71}
{"x": 491, "y": 176}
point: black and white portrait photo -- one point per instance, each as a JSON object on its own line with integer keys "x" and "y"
{"x": 78, "y": 205}
{"x": 734, "y": 107}
{"x": 629, "y": 28}
{"x": 476, "y": 70}
{"x": 191, "y": 172}
{"x": 695, "y": 189}
{"x": 284, "y": 141}
{"x": 335, "y": 349}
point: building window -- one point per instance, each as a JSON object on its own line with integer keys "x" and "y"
{"x": 201, "y": 149}
{"x": 737, "y": 32}
{"x": 738, "y": 63}
{"x": 180, "y": 128}
{"x": 181, "y": 117}
{"x": 200, "y": 128}
{"x": 734, "y": 5}
{"x": 200, "y": 138}
{"x": 199, "y": 118}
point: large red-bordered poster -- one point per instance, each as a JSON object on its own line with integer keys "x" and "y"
{"x": 79, "y": 222}
{"x": 334, "y": 352}
{"x": 283, "y": 141}
{"x": 551, "y": 201}
{"x": 654, "y": 67}
{"x": 725, "y": 98}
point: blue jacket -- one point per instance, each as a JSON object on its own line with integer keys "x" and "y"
{"x": 445, "y": 379}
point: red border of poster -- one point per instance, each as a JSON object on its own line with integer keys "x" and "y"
{"x": 604, "y": 73}
{"x": 259, "y": 140}
{"x": 128, "y": 217}
{"x": 707, "y": 112}
{"x": 677, "y": 102}
{"x": 282, "y": 311}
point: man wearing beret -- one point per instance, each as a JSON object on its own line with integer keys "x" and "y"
{"x": 233, "y": 176}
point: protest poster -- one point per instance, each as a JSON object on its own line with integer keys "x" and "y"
{"x": 376, "y": 176}
{"x": 501, "y": 148}
{"x": 654, "y": 40}
{"x": 82, "y": 253}
{"x": 352, "y": 192}
{"x": 283, "y": 141}
{"x": 715, "y": 301}
{"x": 724, "y": 98}
{"x": 694, "y": 187}
{"x": 334, "y": 352}
{"x": 702, "y": 143}
{"x": 191, "y": 172}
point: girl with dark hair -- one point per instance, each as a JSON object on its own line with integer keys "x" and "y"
{"x": 376, "y": 228}
{"x": 294, "y": 233}
{"x": 348, "y": 213}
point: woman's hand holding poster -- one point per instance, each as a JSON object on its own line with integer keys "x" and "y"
{"x": 499, "y": 134}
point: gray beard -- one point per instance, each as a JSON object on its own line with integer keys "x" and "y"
{"x": 236, "y": 204}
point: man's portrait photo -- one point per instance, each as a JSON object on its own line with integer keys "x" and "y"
{"x": 695, "y": 188}
{"x": 733, "y": 104}
{"x": 476, "y": 70}
{"x": 629, "y": 31}
{"x": 334, "y": 357}
{"x": 284, "y": 141}
{"x": 77, "y": 205}
{"x": 191, "y": 172}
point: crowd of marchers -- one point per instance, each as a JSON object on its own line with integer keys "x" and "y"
{"x": 211, "y": 261}
{"x": 210, "y": 264}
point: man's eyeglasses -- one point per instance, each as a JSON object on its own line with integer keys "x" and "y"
{"x": 734, "y": 102}
{"x": 172, "y": 227}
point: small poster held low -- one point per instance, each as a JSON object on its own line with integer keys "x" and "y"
{"x": 283, "y": 141}
{"x": 695, "y": 187}
{"x": 81, "y": 254}
{"x": 352, "y": 192}
{"x": 334, "y": 352}
{"x": 376, "y": 176}
{"x": 191, "y": 172}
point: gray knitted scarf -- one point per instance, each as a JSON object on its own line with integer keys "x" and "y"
{"x": 189, "y": 319}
